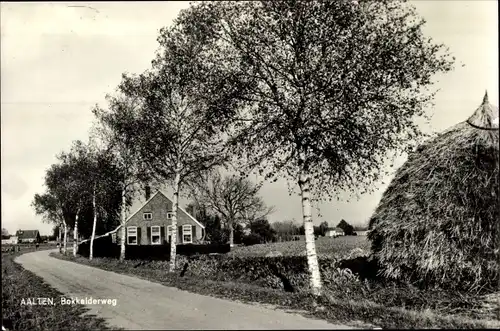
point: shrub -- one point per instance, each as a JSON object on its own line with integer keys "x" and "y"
{"x": 252, "y": 239}
{"x": 268, "y": 271}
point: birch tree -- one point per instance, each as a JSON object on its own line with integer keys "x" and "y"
{"x": 50, "y": 208}
{"x": 178, "y": 130}
{"x": 94, "y": 178}
{"x": 233, "y": 198}
{"x": 115, "y": 128}
{"x": 330, "y": 88}
{"x": 104, "y": 179}
{"x": 77, "y": 184}
{"x": 56, "y": 204}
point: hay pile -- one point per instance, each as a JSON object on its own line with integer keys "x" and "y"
{"x": 438, "y": 221}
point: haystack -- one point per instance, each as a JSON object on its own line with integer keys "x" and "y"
{"x": 438, "y": 221}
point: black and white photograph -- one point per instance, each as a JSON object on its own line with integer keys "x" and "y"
{"x": 250, "y": 165}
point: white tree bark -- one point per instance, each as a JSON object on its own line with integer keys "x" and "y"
{"x": 175, "y": 204}
{"x": 75, "y": 235}
{"x": 91, "y": 254}
{"x": 312, "y": 258}
{"x": 123, "y": 229}
{"x": 231, "y": 234}
{"x": 59, "y": 237}
{"x": 65, "y": 244}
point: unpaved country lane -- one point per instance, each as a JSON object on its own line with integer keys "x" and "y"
{"x": 143, "y": 304}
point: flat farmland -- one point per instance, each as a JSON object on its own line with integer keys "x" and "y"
{"x": 325, "y": 246}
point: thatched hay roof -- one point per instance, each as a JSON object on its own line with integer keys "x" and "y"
{"x": 485, "y": 116}
{"x": 438, "y": 220}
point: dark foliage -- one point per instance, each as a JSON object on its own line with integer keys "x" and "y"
{"x": 348, "y": 228}
{"x": 321, "y": 230}
{"x": 285, "y": 230}
{"x": 215, "y": 233}
{"x": 361, "y": 266}
{"x": 263, "y": 229}
{"x": 252, "y": 239}
{"x": 213, "y": 228}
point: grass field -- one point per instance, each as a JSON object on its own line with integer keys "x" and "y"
{"x": 19, "y": 284}
{"x": 326, "y": 246}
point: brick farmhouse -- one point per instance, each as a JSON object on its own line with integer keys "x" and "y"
{"x": 151, "y": 224}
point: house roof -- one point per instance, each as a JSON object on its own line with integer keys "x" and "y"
{"x": 160, "y": 192}
{"x": 27, "y": 234}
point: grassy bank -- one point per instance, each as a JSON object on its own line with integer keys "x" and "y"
{"x": 22, "y": 248}
{"x": 19, "y": 284}
{"x": 325, "y": 246}
{"x": 332, "y": 306}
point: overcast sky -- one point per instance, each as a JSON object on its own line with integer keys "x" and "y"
{"x": 58, "y": 60}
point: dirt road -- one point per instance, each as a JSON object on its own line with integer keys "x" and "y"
{"x": 141, "y": 304}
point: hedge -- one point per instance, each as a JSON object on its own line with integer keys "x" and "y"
{"x": 280, "y": 272}
{"x": 104, "y": 247}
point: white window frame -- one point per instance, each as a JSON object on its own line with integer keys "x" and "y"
{"x": 169, "y": 215}
{"x": 132, "y": 235}
{"x": 147, "y": 218}
{"x": 187, "y": 229}
{"x": 170, "y": 230}
{"x": 156, "y": 235}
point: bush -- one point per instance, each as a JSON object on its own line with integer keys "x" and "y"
{"x": 252, "y": 239}
{"x": 271, "y": 272}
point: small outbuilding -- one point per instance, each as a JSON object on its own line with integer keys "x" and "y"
{"x": 334, "y": 232}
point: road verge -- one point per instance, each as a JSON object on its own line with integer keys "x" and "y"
{"x": 357, "y": 313}
{"x": 28, "y": 303}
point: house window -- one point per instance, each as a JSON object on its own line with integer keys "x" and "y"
{"x": 132, "y": 235}
{"x": 155, "y": 235}
{"x": 187, "y": 234}
{"x": 148, "y": 216}
{"x": 170, "y": 229}
{"x": 169, "y": 216}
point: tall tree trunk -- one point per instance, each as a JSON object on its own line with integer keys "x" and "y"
{"x": 123, "y": 231}
{"x": 59, "y": 237}
{"x": 65, "y": 238}
{"x": 75, "y": 234}
{"x": 312, "y": 258}
{"x": 91, "y": 254}
{"x": 231, "y": 234}
{"x": 175, "y": 204}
